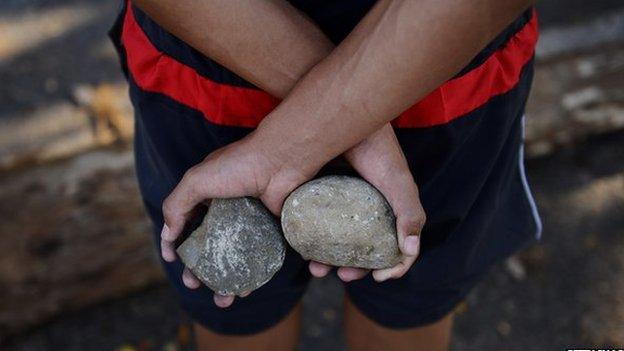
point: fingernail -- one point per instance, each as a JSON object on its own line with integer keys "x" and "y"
{"x": 223, "y": 301}
{"x": 379, "y": 277}
{"x": 318, "y": 270}
{"x": 166, "y": 233}
{"x": 344, "y": 276}
{"x": 168, "y": 256}
{"x": 190, "y": 282}
{"x": 411, "y": 245}
{"x": 167, "y": 253}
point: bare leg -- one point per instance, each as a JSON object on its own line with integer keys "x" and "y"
{"x": 281, "y": 337}
{"x": 363, "y": 334}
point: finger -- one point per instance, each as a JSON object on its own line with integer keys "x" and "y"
{"x": 223, "y": 301}
{"x": 245, "y": 294}
{"x": 410, "y": 221}
{"x": 167, "y": 243}
{"x": 391, "y": 175}
{"x": 279, "y": 188}
{"x": 410, "y": 218}
{"x": 411, "y": 245}
{"x": 167, "y": 250}
{"x": 347, "y": 274}
{"x": 179, "y": 205}
{"x": 166, "y": 234}
{"x": 319, "y": 270}
{"x": 190, "y": 280}
{"x": 381, "y": 275}
{"x": 408, "y": 234}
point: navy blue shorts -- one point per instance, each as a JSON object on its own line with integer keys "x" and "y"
{"x": 463, "y": 143}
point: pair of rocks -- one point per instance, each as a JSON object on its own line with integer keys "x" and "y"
{"x": 337, "y": 220}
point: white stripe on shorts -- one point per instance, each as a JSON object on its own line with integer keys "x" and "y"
{"x": 527, "y": 190}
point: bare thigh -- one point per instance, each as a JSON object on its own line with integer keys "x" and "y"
{"x": 364, "y": 334}
{"x": 281, "y": 337}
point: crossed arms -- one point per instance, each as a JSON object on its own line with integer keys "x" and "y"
{"x": 337, "y": 100}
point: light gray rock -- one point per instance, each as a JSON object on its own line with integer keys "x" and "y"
{"x": 342, "y": 221}
{"x": 237, "y": 248}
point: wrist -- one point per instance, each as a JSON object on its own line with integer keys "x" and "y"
{"x": 276, "y": 174}
{"x": 287, "y": 150}
{"x": 273, "y": 161}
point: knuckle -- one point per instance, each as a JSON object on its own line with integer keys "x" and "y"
{"x": 414, "y": 185}
{"x": 191, "y": 177}
{"x": 168, "y": 208}
{"x": 415, "y": 223}
{"x": 170, "y": 212}
{"x": 421, "y": 219}
{"x": 401, "y": 272}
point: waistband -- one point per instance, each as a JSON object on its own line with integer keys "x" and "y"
{"x": 159, "y": 62}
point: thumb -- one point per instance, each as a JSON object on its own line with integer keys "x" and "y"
{"x": 402, "y": 195}
{"x": 179, "y": 206}
{"x": 279, "y": 187}
{"x": 380, "y": 160}
{"x": 409, "y": 227}
{"x": 401, "y": 192}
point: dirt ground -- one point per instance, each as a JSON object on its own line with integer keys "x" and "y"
{"x": 567, "y": 291}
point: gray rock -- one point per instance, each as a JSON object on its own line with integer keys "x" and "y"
{"x": 237, "y": 248}
{"x": 342, "y": 221}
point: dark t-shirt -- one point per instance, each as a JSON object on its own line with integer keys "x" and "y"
{"x": 335, "y": 18}
{"x": 462, "y": 141}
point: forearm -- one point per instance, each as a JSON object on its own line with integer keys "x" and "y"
{"x": 268, "y": 43}
{"x": 382, "y": 68}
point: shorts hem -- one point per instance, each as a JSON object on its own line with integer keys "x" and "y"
{"x": 423, "y": 319}
{"x": 421, "y": 316}
{"x": 241, "y": 326}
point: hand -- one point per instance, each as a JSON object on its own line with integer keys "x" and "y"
{"x": 243, "y": 169}
{"x": 239, "y": 169}
{"x": 380, "y": 161}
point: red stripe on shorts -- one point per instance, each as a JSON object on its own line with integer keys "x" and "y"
{"x": 154, "y": 71}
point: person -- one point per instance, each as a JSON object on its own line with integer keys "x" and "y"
{"x": 424, "y": 99}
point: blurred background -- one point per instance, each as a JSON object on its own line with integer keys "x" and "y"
{"x": 78, "y": 270}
